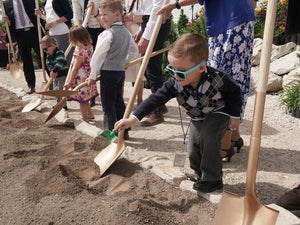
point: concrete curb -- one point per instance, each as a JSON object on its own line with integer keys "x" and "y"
{"x": 161, "y": 165}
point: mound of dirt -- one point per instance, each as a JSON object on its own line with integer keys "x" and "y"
{"x": 48, "y": 177}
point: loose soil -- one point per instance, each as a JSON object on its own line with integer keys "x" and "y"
{"x": 48, "y": 176}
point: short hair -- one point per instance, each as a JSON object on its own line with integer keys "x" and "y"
{"x": 190, "y": 45}
{"x": 48, "y": 40}
{"x": 80, "y": 34}
{"x": 113, "y": 5}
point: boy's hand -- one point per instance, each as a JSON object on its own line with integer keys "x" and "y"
{"x": 234, "y": 123}
{"x": 53, "y": 74}
{"x": 125, "y": 123}
{"x": 90, "y": 82}
{"x": 37, "y": 12}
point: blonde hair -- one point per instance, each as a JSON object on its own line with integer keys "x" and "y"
{"x": 80, "y": 34}
{"x": 113, "y": 5}
{"x": 190, "y": 45}
{"x": 48, "y": 40}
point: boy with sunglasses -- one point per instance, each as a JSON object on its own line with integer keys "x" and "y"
{"x": 211, "y": 98}
{"x": 56, "y": 63}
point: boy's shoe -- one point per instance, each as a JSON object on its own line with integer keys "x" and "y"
{"x": 66, "y": 108}
{"x": 30, "y": 90}
{"x": 291, "y": 199}
{"x": 193, "y": 177}
{"x": 208, "y": 186}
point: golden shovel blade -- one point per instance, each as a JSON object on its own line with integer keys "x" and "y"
{"x": 236, "y": 210}
{"x": 108, "y": 155}
{"x": 16, "y": 70}
{"x": 56, "y": 109}
{"x": 33, "y": 104}
{"x": 58, "y": 93}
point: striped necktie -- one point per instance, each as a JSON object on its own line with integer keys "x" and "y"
{"x": 21, "y": 13}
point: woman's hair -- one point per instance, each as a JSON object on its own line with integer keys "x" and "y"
{"x": 113, "y": 5}
{"x": 80, "y": 34}
{"x": 190, "y": 45}
{"x": 48, "y": 40}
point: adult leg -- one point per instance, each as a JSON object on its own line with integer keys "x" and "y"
{"x": 25, "y": 40}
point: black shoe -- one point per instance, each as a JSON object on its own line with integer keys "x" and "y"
{"x": 92, "y": 102}
{"x": 208, "y": 186}
{"x": 239, "y": 143}
{"x": 66, "y": 108}
{"x": 230, "y": 153}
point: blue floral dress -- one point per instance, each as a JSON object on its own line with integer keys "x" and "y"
{"x": 231, "y": 51}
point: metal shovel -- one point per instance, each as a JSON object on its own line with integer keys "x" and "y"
{"x": 36, "y": 102}
{"x": 247, "y": 210}
{"x": 15, "y": 67}
{"x": 112, "y": 152}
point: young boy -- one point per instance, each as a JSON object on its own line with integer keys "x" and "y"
{"x": 114, "y": 48}
{"x": 212, "y": 100}
{"x": 56, "y": 63}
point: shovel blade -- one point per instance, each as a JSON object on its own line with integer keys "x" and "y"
{"x": 232, "y": 211}
{"x": 33, "y": 104}
{"x": 110, "y": 135}
{"x": 56, "y": 109}
{"x": 108, "y": 155}
{"x": 16, "y": 70}
{"x": 58, "y": 93}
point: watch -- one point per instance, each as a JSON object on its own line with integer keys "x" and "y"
{"x": 177, "y": 4}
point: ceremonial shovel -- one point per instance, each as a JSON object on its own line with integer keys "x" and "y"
{"x": 247, "y": 210}
{"x": 15, "y": 67}
{"x": 112, "y": 152}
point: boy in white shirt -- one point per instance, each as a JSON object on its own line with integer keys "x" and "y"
{"x": 114, "y": 48}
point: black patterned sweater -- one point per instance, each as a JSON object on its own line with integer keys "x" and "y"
{"x": 216, "y": 92}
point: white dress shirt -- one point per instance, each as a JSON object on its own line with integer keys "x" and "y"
{"x": 78, "y": 12}
{"x": 150, "y": 8}
{"x": 103, "y": 45}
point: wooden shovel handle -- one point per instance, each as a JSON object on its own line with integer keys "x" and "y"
{"x": 9, "y": 35}
{"x": 40, "y": 38}
{"x": 255, "y": 140}
{"x": 141, "y": 72}
{"x": 140, "y": 59}
{"x": 84, "y": 24}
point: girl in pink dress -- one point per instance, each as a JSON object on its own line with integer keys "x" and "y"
{"x": 80, "y": 70}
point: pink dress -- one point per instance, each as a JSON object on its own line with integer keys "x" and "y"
{"x": 86, "y": 93}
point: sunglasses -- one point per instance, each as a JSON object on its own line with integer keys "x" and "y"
{"x": 46, "y": 49}
{"x": 180, "y": 74}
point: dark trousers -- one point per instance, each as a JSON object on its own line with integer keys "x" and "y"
{"x": 111, "y": 83}
{"x": 204, "y": 146}
{"x": 154, "y": 71}
{"x": 28, "y": 40}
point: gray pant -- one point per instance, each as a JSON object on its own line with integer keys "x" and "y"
{"x": 58, "y": 84}
{"x": 204, "y": 146}
{"x": 63, "y": 43}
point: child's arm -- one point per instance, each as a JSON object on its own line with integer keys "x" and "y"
{"x": 100, "y": 53}
{"x": 74, "y": 70}
{"x": 125, "y": 123}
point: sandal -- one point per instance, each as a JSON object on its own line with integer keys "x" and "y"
{"x": 230, "y": 153}
{"x": 239, "y": 143}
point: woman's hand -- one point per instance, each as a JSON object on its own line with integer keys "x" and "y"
{"x": 137, "y": 36}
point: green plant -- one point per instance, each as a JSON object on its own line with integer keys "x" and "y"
{"x": 289, "y": 97}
